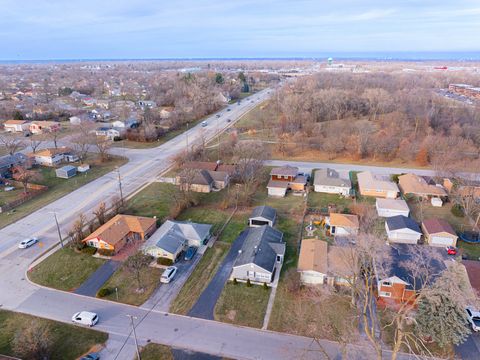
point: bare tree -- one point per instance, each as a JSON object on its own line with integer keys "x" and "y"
{"x": 102, "y": 145}
{"x": 83, "y": 141}
{"x": 35, "y": 142}
{"x": 25, "y": 176}
{"x": 101, "y": 213}
{"x": 11, "y": 143}
{"x": 136, "y": 264}
{"x": 53, "y": 136}
{"x": 33, "y": 340}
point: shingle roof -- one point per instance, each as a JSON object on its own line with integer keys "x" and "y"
{"x": 402, "y": 222}
{"x": 330, "y": 177}
{"x": 414, "y": 184}
{"x": 201, "y": 165}
{"x": 344, "y": 220}
{"x": 10, "y": 160}
{"x": 265, "y": 212}
{"x": 286, "y": 170}
{"x": 393, "y": 204}
{"x": 313, "y": 256}
{"x": 261, "y": 246}
{"x": 277, "y": 184}
{"x": 435, "y": 226}
{"x": 367, "y": 181}
{"x": 49, "y": 152}
{"x": 15, "y": 122}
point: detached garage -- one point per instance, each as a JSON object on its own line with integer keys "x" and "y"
{"x": 66, "y": 172}
{"x": 401, "y": 229}
{"x": 438, "y": 232}
{"x": 391, "y": 207}
{"x": 262, "y": 215}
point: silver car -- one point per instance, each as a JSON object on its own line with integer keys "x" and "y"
{"x": 27, "y": 243}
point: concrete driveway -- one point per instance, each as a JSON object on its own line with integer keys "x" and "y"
{"x": 205, "y": 304}
{"x": 98, "y": 278}
{"x": 166, "y": 293}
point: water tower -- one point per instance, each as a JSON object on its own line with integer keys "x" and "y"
{"x": 330, "y": 61}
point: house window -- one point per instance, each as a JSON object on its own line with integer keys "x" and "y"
{"x": 250, "y": 274}
{"x": 279, "y": 258}
{"x": 385, "y": 294}
{"x": 387, "y": 283}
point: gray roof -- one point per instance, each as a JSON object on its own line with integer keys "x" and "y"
{"x": 265, "y": 212}
{"x": 261, "y": 246}
{"x": 330, "y": 177}
{"x": 67, "y": 168}
{"x": 402, "y": 222}
{"x": 173, "y": 234}
{"x": 201, "y": 177}
{"x": 12, "y": 160}
{"x": 286, "y": 170}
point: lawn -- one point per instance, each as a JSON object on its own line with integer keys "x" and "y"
{"x": 59, "y": 187}
{"x": 127, "y": 285}
{"x": 151, "y": 201}
{"x": 65, "y": 269}
{"x": 156, "y": 352}
{"x": 472, "y": 251}
{"x": 242, "y": 305}
{"x": 68, "y": 341}
{"x": 314, "y": 313}
{"x": 322, "y": 200}
{"x": 200, "y": 278}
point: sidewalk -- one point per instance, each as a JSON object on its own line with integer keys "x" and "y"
{"x": 271, "y": 300}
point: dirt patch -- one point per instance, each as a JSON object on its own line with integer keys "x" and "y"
{"x": 231, "y": 314}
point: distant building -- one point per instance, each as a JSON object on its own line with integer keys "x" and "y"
{"x": 16, "y": 125}
{"x": 66, "y": 172}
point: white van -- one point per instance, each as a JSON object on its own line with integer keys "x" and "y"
{"x": 85, "y": 318}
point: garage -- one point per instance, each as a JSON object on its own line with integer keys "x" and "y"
{"x": 438, "y": 232}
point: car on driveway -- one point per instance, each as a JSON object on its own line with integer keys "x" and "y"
{"x": 191, "y": 251}
{"x": 168, "y": 274}
{"x": 91, "y": 356}
{"x": 451, "y": 250}
{"x": 27, "y": 243}
{"x": 85, "y": 318}
{"x": 473, "y": 318}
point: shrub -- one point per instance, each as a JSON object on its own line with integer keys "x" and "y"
{"x": 164, "y": 261}
{"x": 346, "y": 211}
{"x": 106, "y": 252}
{"x": 265, "y": 286}
{"x": 89, "y": 250}
{"x": 104, "y": 292}
{"x": 249, "y": 283}
{"x": 457, "y": 210}
{"x": 235, "y": 281}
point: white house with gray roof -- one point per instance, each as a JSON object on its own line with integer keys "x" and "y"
{"x": 261, "y": 256}
{"x": 173, "y": 237}
{"x": 329, "y": 181}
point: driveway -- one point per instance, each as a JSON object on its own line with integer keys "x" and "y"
{"x": 166, "y": 293}
{"x": 94, "y": 283}
{"x": 205, "y": 304}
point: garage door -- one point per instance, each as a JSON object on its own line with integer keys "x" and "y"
{"x": 439, "y": 240}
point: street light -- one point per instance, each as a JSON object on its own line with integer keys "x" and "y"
{"x": 134, "y": 334}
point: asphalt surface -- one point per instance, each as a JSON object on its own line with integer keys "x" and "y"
{"x": 95, "y": 282}
{"x": 205, "y": 305}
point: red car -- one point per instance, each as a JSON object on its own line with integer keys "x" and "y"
{"x": 451, "y": 250}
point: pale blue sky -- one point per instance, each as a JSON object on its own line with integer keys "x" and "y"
{"x": 70, "y": 29}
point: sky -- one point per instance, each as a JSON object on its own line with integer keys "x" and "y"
{"x": 143, "y": 29}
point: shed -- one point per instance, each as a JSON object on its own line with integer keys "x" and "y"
{"x": 83, "y": 168}
{"x": 391, "y": 207}
{"x": 438, "y": 232}
{"x": 262, "y": 215}
{"x": 66, "y": 172}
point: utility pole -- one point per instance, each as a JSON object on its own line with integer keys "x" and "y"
{"x": 134, "y": 334}
{"x": 58, "y": 229}
{"x": 120, "y": 185}
{"x": 186, "y": 137}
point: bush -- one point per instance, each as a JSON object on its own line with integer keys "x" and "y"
{"x": 346, "y": 211}
{"x": 265, "y": 286}
{"x": 164, "y": 261}
{"x": 89, "y": 250}
{"x": 457, "y": 210}
{"x": 104, "y": 292}
{"x": 235, "y": 281}
{"x": 249, "y": 284}
{"x": 106, "y": 252}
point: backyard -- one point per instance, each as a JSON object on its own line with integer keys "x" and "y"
{"x": 65, "y": 269}
{"x": 67, "y": 341}
{"x": 57, "y": 188}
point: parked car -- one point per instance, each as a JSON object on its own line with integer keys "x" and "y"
{"x": 168, "y": 274}
{"x": 85, "y": 318}
{"x": 27, "y": 243}
{"x": 228, "y": 120}
{"x": 229, "y": 109}
{"x": 218, "y": 115}
{"x": 451, "y": 250}
{"x": 191, "y": 251}
{"x": 473, "y": 318}
{"x": 91, "y": 356}
{"x": 204, "y": 123}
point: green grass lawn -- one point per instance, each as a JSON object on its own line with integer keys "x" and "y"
{"x": 199, "y": 279}
{"x": 424, "y": 210}
{"x": 58, "y": 188}
{"x": 127, "y": 286}
{"x": 156, "y": 352}
{"x": 68, "y": 341}
{"x": 151, "y": 201}
{"x": 242, "y": 305}
{"x": 65, "y": 269}
{"x": 472, "y": 251}
{"x": 322, "y": 200}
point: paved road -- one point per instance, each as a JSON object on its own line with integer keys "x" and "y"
{"x": 94, "y": 283}
{"x": 205, "y": 305}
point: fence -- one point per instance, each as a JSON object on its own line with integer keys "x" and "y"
{"x": 35, "y": 190}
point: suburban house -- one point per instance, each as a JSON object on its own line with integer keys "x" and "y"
{"x": 262, "y": 215}
{"x": 16, "y": 125}
{"x": 391, "y": 207}
{"x": 472, "y": 189}
{"x": 320, "y": 263}
{"x": 285, "y": 178}
{"x": 195, "y": 180}
{"x": 402, "y": 229}
{"x": 329, "y": 181}
{"x": 438, "y": 232}
{"x": 411, "y": 184}
{"x": 53, "y": 156}
{"x": 7, "y": 162}
{"x": 374, "y": 185}
{"x": 205, "y": 176}
{"x": 39, "y": 127}
{"x": 66, "y": 172}
{"x": 261, "y": 256}
{"x": 342, "y": 224}
{"x": 127, "y": 124}
{"x": 173, "y": 237}
{"x": 121, "y": 230}
{"x": 400, "y": 286}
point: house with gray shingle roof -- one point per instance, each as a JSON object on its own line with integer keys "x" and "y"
{"x": 261, "y": 256}
{"x": 262, "y": 215}
{"x": 173, "y": 237}
{"x": 329, "y": 181}
{"x": 402, "y": 229}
